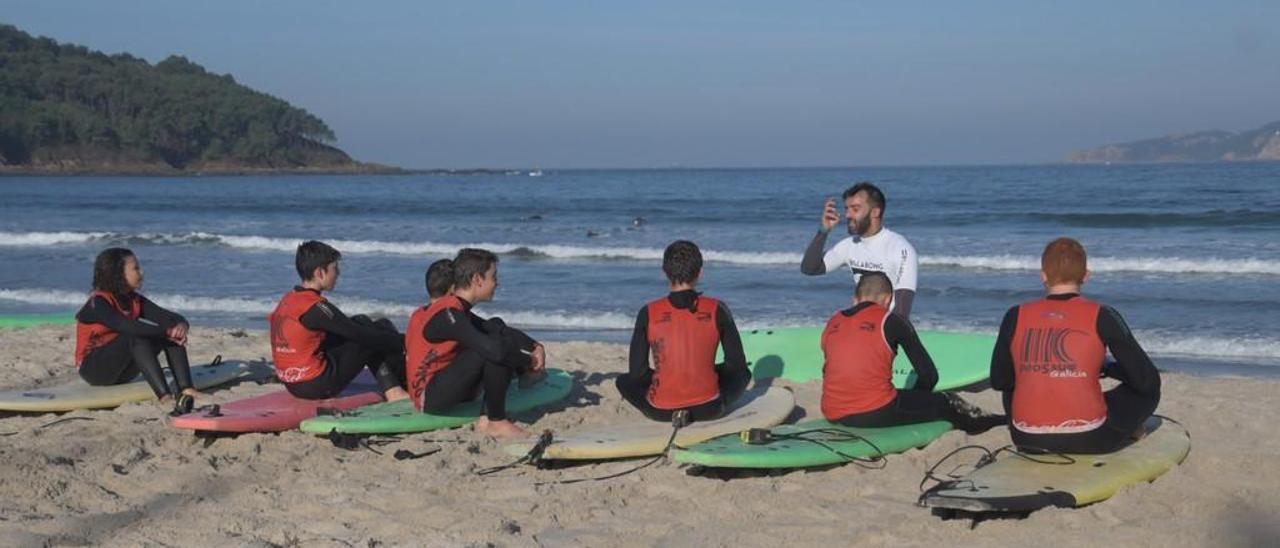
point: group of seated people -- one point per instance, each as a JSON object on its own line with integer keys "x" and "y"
{"x": 1048, "y": 360}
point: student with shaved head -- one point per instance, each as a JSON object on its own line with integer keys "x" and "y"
{"x": 860, "y": 344}
{"x": 1050, "y": 355}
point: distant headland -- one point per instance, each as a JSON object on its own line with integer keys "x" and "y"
{"x": 66, "y": 109}
{"x": 1260, "y": 144}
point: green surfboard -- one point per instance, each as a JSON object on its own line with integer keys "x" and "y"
{"x": 795, "y": 353}
{"x": 32, "y": 320}
{"x": 400, "y": 417}
{"x": 810, "y": 443}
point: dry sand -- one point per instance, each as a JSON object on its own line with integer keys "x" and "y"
{"x": 126, "y": 479}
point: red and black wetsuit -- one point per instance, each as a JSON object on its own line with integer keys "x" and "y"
{"x": 1048, "y": 358}
{"x": 860, "y": 344}
{"x": 681, "y": 332}
{"x": 113, "y": 345}
{"x": 318, "y": 350}
{"x": 455, "y": 353}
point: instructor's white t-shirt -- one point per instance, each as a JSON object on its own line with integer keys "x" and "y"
{"x": 886, "y": 252}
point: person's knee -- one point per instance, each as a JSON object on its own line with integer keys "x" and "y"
{"x": 362, "y": 319}
{"x": 385, "y": 324}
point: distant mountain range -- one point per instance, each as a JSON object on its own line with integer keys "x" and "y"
{"x": 1202, "y": 146}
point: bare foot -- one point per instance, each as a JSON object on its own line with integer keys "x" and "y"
{"x": 503, "y": 429}
{"x": 395, "y": 394}
{"x": 165, "y": 401}
{"x": 196, "y": 394}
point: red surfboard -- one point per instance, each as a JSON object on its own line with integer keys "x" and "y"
{"x": 277, "y": 411}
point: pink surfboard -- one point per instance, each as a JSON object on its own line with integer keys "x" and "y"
{"x": 277, "y": 411}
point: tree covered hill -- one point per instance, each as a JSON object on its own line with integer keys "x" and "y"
{"x": 66, "y": 108}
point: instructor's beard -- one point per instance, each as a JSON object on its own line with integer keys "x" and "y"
{"x": 859, "y": 225}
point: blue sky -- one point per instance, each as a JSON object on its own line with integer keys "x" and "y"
{"x": 744, "y": 83}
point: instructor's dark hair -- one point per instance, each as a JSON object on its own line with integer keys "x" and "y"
{"x": 874, "y": 284}
{"x": 439, "y": 278}
{"x": 469, "y": 262}
{"x": 682, "y": 262}
{"x": 312, "y": 255}
{"x": 108, "y": 274}
{"x": 874, "y": 196}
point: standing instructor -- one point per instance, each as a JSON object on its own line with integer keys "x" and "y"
{"x": 870, "y": 246}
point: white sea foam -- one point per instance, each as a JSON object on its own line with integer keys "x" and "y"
{"x": 1175, "y": 265}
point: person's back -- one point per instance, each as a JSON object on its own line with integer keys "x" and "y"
{"x": 1050, "y": 356}
{"x": 681, "y": 332}
{"x": 859, "y": 345}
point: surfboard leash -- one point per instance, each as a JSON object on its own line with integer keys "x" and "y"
{"x": 764, "y": 436}
{"x": 988, "y": 457}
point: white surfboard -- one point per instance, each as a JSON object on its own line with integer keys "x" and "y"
{"x": 645, "y": 437}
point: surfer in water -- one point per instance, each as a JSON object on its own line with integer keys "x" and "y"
{"x": 452, "y": 354}
{"x": 1050, "y": 355}
{"x": 120, "y": 333}
{"x": 870, "y": 247}
{"x": 860, "y": 344}
{"x": 681, "y": 331}
{"x": 316, "y": 348}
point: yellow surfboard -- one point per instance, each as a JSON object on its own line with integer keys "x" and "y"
{"x": 1016, "y": 484}
{"x": 78, "y": 394}
{"x": 754, "y": 410}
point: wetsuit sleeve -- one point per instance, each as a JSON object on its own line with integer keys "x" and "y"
{"x": 1002, "y": 354}
{"x": 902, "y": 299}
{"x": 323, "y": 316}
{"x": 99, "y": 311}
{"x": 452, "y": 325}
{"x": 812, "y": 262}
{"x": 517, "y": 346}
{"x": 899, "y": 334}
{"x": 730, "y": 339}
{"x": 156, "y": 313}
{"x": 1136, "y": 369}
{"x": 638, "y": 362}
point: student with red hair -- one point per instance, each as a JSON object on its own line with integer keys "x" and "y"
{"x": 1050, "y": 355}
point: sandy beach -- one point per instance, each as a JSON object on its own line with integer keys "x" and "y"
{"x": 124, "y": 478}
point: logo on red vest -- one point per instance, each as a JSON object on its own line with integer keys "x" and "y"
{"x": 1044, "y": 351}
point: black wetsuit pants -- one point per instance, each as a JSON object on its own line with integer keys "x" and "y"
{"x": 732, "y": 385}
{"x": 915, "y": 406}
{"x": 344, "y": 361}
{"x": 462, "y": 380}
{"x": 125, "y": 356}
{"x": 1127, "y": 410}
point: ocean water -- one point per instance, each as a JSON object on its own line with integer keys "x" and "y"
{"x": 1188, "y": 254}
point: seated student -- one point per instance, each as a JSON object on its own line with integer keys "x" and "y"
{"x": 1050, "y": 354}
{"x": 682, "y": 330}
{"x": 451, "y": 354}
{"x": 860, "y": 344}
{"x": 316, "y": 348}
{"x": 113, "y": 344}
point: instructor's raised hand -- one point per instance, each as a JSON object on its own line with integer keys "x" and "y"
{"x": 829, "y": 215}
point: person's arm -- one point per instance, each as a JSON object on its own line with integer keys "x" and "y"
{"x": 812, "y": 262}
{"x": 730, "y": 339}
{"x": 638, "y": 362}
{"x": 518, "y": 347}
{"x": 99, "y": 311}
{"x": 454, "y": 325}
{"x": 899, "y": 333}
{"x": 905, "y": 269}
{"x": 1002, "y": 354}
{"x": 159, "y": 315}
{"x": 324, "y": 316}
{"x": 1136, "y": 368}
{"x": 902, "y": 299}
